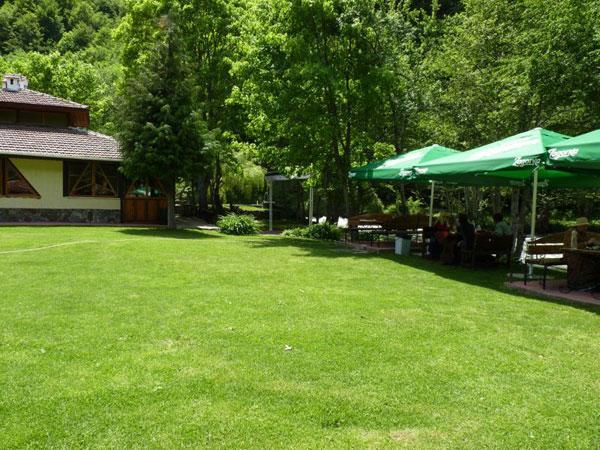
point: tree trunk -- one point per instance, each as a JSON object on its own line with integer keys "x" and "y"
{"x": 216, "y": 187}
{"x": 497, "y": 203}
{"x": 203, "y": 193}
{"x": 171, "y": 222}
{"x": 401, "y": 208}
{"x": 514, "y": 215}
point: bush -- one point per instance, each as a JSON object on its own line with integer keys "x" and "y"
{"x": 322, "y": 231}
{"x": 238, "y": 224}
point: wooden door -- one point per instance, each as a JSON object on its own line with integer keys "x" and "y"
{"x": 145, "y": 203}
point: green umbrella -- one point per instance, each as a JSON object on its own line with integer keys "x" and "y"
{"x": 400, "y": 167}
{"x": 581, "y": 152}
{"x": 516, "y": 160}
{"x": 516, "y": 155}
{"x": 512, "y": 161}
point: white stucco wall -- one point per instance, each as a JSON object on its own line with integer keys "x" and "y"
{"x": 46, "y": 176}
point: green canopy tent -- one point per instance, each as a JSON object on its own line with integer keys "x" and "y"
{"x": 401, "y": 168}
{"x": 579, "y": 153}
{"x": 518, "y": 160}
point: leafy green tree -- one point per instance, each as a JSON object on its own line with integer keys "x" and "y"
{"x": 160, "y": 134}
{"x": 314, "y": 76}
{"x": 210, "y": 28}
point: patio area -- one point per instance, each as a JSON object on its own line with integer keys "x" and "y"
{"x": 555, "y": 290}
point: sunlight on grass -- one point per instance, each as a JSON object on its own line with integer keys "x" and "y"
{"x": 142, "y": 337}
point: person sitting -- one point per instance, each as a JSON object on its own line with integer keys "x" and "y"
{"x": 583, "y": 271}
{"x": 440, "y": 232}
{"x": 501, "y": 228}
{"x": 577, "y": 236}
{"x": 466, "y": 232}
{"x": 465, "y": 239}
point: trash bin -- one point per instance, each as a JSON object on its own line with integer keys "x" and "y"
{"x": 402, "y": 244}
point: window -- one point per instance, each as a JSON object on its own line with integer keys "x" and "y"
{"x": 54, "y": 119}
{"x": 90, "y": 179}
{"x": 145, "y": 189}
{"x": 31, "y": 117}
{"x": 8, "y": 115}
{"x": 13, "y": 183}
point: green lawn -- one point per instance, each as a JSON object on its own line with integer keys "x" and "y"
{"x": 143, "y": 338}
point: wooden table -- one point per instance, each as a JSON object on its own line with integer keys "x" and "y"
{"x": 583, "y": 268}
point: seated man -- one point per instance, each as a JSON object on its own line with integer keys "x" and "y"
{"x": 577, "y": 237}
{"x": 583, "y": 271}
{"x": 501, "y": 228}
{"x": 466, "y": 232}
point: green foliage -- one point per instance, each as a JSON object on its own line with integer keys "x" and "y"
{"x": 321, "y": 231}
{"x": 238, "y": 224}
{"x": 313, "y": 78}
{"x": 46, "y": 25}
{"x": 160, "y": 132}
{"x": 243, "y": 181}
{"x": 414, "y": 205}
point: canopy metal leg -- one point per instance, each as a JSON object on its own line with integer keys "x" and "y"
{"x": 431, "y": 203}
{"x": 270, "y": 185}
{"x": 311, "y": 199}
{"x": 533, "y": 212}
{"x": 534, "y": 203}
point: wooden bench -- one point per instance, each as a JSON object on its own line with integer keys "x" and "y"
{"x": 489, "y": 245}
{"x": 547, "y": 252}
{"x": 386, "y": 224}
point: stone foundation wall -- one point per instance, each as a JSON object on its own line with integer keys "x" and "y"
{"x": 22, "y": 215}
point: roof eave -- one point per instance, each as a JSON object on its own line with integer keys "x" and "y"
{"x": 57, "y": 157}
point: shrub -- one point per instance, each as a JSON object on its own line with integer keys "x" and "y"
{"x": 299, "y": 232}
{"x": 238, "y": 224}
{"x": 322, "y": 231}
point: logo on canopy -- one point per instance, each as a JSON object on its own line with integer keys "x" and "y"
{"x": 404, "y": 173}
{"x": 524, "y": 162}
{"x": 421, "y": 170}
{"x": 560, "y": 154}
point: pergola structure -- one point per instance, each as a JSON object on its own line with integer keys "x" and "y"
{"x": 272, "y": 177}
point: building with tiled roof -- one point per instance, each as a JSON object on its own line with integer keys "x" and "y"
{"x": 53, "y": 169}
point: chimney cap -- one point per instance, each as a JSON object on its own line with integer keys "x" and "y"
{"x": 14, "y": 82}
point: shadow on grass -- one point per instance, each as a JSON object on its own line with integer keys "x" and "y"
{"x": 169, "y": 234}
{"x": 489, "y": 278}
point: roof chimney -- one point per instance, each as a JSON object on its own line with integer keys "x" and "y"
{"x": 14, "y": 82}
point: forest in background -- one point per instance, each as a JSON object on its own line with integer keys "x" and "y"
{"x": 319, "y": 86}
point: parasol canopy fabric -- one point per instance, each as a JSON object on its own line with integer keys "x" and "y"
{"x": 581, "y": 152}
{"x": 507, "y": 162}
{"x": 400, "y": 167}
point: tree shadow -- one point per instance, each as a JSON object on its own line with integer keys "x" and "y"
{"x": 489, "y": 277}
{"x": 311, "y": 247}
{"x": 170, "y": 234}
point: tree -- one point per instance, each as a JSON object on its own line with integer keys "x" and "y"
{"x": 314, "y": 77}
{"x": 210, "y": 29}
{"x": 160, "y": 135}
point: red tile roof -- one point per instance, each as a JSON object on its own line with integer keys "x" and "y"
{"x": 29, "y": 97}
{"x": 62, "y": 143}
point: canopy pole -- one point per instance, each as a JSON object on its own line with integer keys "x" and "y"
{"x": 270, "y": 205}
{"x": 534, "y": 203}
{"x": 311, "y": 199}
{"x": 533, "y": 212}
{"x": 431, "y": 203}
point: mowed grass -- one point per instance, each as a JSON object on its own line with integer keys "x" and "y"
{"x": 148, "y": 338}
